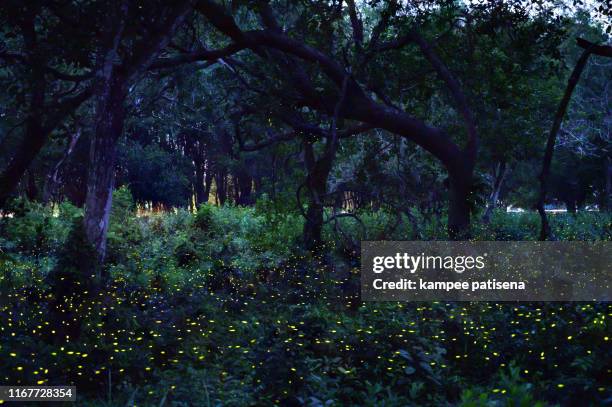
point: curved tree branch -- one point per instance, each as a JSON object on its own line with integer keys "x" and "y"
{"x": 202, "y": 55}
{"x": 545, "y": 230}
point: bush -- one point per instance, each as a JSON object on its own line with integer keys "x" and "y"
{"x": 565, "y": 226}
{"x": 30, "y": 227}
{"x": 189, "y": 319}
{"x": 203, "y": 218}
{"x": 124, "y": 230}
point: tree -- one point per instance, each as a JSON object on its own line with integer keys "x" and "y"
{"x": 357, "y": 105}
{"x": 51, "y": 93}
{"x": 120, "y": 63}
{"x": 589, "y": 48}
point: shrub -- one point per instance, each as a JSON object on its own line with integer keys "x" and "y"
{"x": 203, "y": 218}
{"x": 185, "y": 310}
{"x": 30, "y": 228}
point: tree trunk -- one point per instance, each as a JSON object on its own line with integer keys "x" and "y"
{"x": 31, "y": 190}
{"x": 498, "y": 179}
{"x": 313, "y": 227}
{"x": 245, "y": 188}
{"x": 53, "y": 179}
{"x": 545, "y": 231}
{"x": 316, "y": 185}
{"x": 460, "y": 185}
{"x": 200, "y": 189}
{"x": 110, "y": 115}
{"x": 113, "y": 77}
{"x": 236, "y": 189}
{"x": 221, "y": 184}
{"x": 208, "y": 178}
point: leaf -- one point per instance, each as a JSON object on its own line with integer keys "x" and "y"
{"x": 405, "y": 354}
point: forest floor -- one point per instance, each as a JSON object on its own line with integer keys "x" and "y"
{"x": 224, "y": 308}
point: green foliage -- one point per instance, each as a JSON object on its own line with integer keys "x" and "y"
{"x": 221, "y": 308}
{"x": 123, "y": 204}
{"x": 28, "y": 228}
{"x": 203, "y": 218}
{"x": 565, "y": 226}
{"x": 514, "y": 226}
{"x": 76, "y": 269}
{"x": 157, "y": 175}
{"x": 124, "y": 228}
{"x": 224, "y": 306}
{"x": 35, "y": 229}
{"x": 513, "y": 391}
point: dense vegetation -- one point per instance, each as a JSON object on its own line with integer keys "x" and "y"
{"x": 184, "y": 185}
{"x": 223, "y": 307}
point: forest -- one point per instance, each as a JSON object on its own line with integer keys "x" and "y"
{"x": 185, "y": 184}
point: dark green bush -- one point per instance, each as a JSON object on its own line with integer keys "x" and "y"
{"x": 203, "y": 218}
